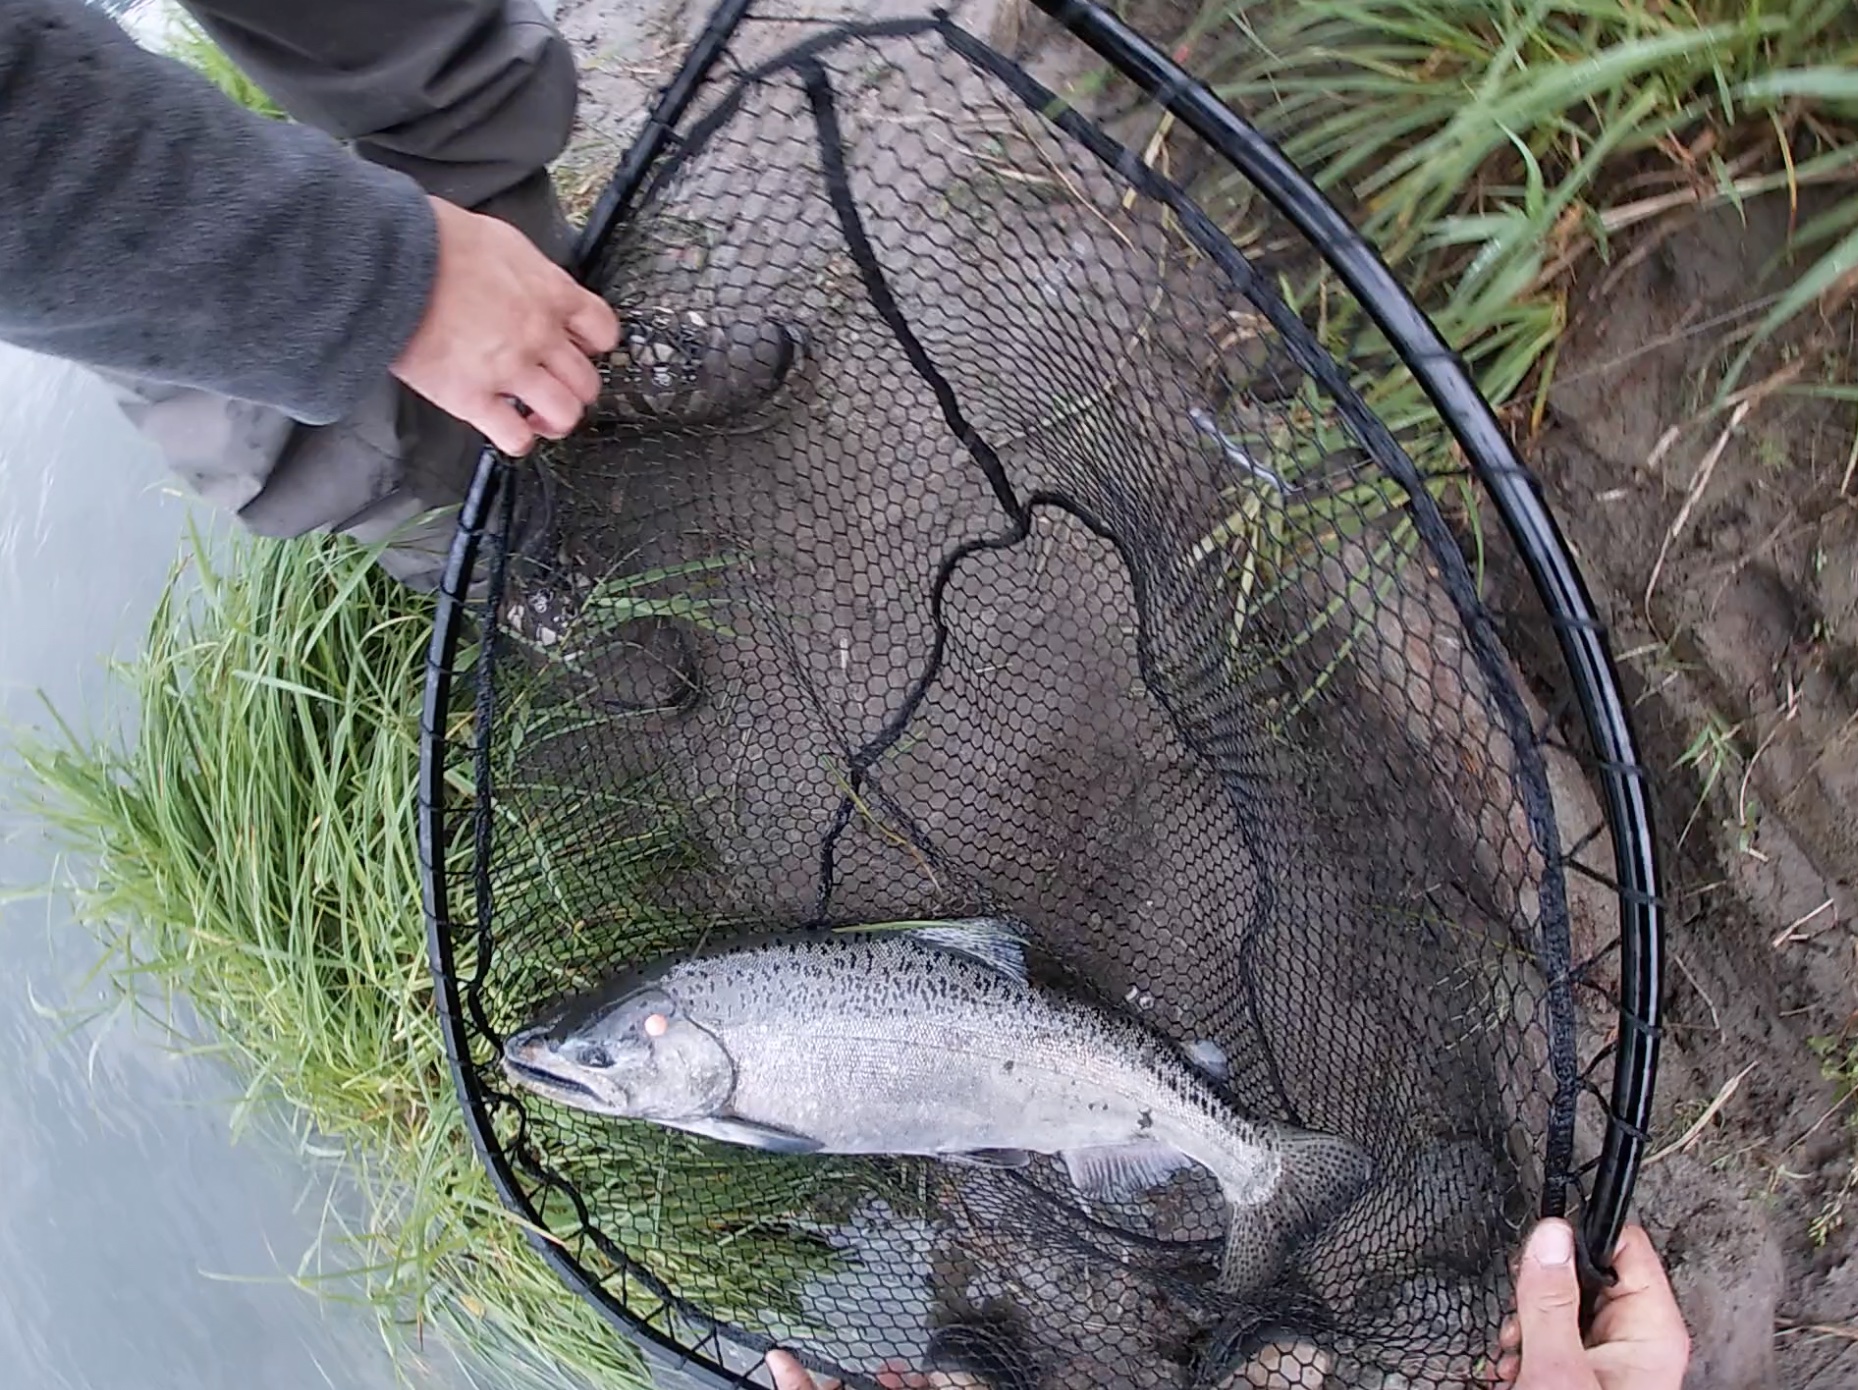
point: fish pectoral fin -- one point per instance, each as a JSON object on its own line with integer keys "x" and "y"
{"x": 733, "y": 1129}
{"x": 1117, "y": 1172}
{"x": 991, "y": 1158}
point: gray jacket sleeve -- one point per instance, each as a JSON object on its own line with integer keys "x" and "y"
{"x": 150, "y": 225}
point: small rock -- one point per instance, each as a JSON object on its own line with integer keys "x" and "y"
{"x": 1285, "y": 1366}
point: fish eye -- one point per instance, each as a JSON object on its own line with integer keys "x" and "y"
{"x": 597, "y": 1057}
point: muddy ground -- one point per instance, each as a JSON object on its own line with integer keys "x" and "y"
{"x": 1742, "y": 660}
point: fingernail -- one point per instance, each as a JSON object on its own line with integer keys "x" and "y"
{"x": 1552, "y": 1244}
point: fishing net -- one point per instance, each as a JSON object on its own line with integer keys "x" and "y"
{"x": 976, "y": 531}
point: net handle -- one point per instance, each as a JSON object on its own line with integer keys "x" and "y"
{"x": 1442, "y": 375}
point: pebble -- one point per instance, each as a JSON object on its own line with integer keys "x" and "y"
{"x": 1285, "y": 1366}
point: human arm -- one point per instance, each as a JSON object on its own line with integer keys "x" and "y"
{"x": 150, "y": 225}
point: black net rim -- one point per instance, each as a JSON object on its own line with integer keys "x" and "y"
{"x": 1623, "y": 780}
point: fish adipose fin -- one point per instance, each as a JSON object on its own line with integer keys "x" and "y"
{"x": 1117, "y": 1172}
{"x": 732, "y": 1129}
{"x": 991, "y": 1158}
{"x": 1210, "y": 1058}
{"x": 993, "y": 941}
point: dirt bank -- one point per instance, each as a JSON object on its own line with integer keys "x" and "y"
{"x": 1721, "y": 548}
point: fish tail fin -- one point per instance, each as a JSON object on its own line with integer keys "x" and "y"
{"x": 1320, "y": 1177}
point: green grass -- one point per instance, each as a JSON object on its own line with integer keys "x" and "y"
{"x": 254, "y": 861}
{"x": 251, "y": 857}
{"x": 1838, "y": 1062}
{"x": 1490, "y": 147}
{"x": 1493, "y": 150}
{"x": 188, "y": 43}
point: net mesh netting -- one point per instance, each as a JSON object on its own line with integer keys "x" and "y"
{"x": 976, "y": 534}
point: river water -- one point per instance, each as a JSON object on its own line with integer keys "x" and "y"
{"x": 140, "y": 1249}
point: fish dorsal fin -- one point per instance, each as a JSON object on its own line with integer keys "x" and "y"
{"x": 1117, "y": 1172}
{"x": 993, "y": 941}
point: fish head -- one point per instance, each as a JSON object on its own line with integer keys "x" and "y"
{"x": 640, "y": 1056}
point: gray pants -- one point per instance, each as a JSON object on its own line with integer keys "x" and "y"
{"x": 471, "y": 98}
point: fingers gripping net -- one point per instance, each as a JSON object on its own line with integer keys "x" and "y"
{"x": 1011, "y": 549}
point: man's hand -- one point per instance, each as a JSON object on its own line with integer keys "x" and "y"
{"x": 1638, "y": 1343}
{"x": 505, "y": 324}
{"x": 789, "y": 1374}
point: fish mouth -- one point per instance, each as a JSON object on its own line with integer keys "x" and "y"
{"x": 543, "y": 1080}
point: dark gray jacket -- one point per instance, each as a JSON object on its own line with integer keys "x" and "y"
{"x": 150, "y": 225}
